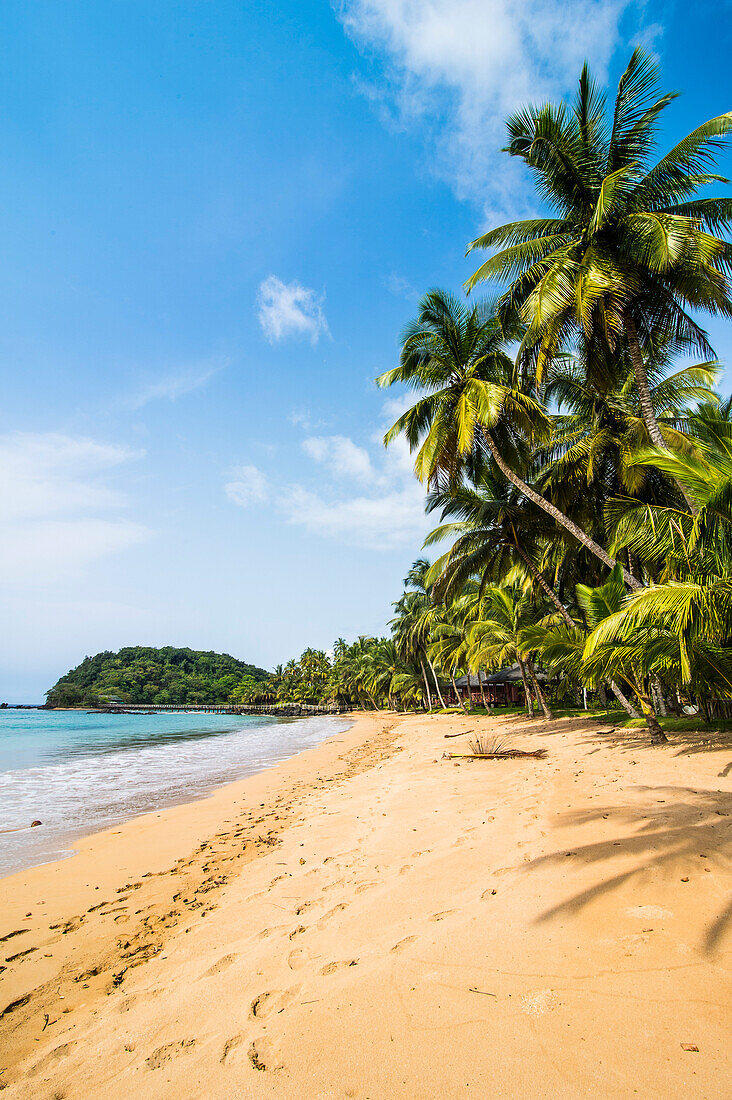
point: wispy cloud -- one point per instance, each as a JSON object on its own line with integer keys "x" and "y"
{"x": 400, "y": 287}
{"x": 463, "y": 65}
{"x": 57, "y": 511}
{"x": 290, "y": 310}
{"x": 171, "y": 386}
{"x": 385, "y": 511}
{"x": 248, "y": 485}
{"x": 341, "y": 455}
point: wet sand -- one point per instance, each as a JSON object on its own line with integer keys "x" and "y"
{"x": 371, "y": 920}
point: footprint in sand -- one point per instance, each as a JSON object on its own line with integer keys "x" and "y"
{"x": 331, "y": 913}
{"x": 273, "y": 1001}
{"x": 263, "y": 1055}
{"x": 403, "y": 944}
{"x": 298, "y": 958}
{"x": 54, "y": 1055}
{"x": 18, "y": 932}
{"x": 233, "y": 1048}
{"x": 443, "y": 914}
{"x": 330, "y": 968}
{"x": 222, "y": 964}
{"x": 166, "y": 1053}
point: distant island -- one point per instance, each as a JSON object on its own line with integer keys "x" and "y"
{"x": 143, "y": 674}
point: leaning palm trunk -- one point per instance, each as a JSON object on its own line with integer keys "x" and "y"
{"x": 527, "y": 692}
{"x": 538, "y": 576}
{"x": 426, "y": 684}
{"x": 558, "y": 516}
{"x": 537, "y": 690}
{"x": 658, "y": 737}
{"x": 646, "y": 402}
{"x": 623, "y": 700}
{"x": 437, "y": 683}
{"x": 455, "y": 689}
{"x": 481, "y": 685}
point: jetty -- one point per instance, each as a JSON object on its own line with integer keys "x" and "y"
{"x": 276, "y": 710}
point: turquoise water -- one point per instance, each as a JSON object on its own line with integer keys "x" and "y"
{"x": 78, "y": 773}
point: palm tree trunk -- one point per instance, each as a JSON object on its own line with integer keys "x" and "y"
{"x": 455, "y": 689}
{"x": 426, "y": 684}
{"x": 658, "y": 737}
{"x": 538, "y": 576}
{"x": 482, "y": 691}
{"x": 537, "y": 691}
{"x": 623, "y": 700}
{"x": 558, "y": 516}
{"x": 437, "y": 684}
{"x": 527, "y": 693}
{"x": 644, "y": 394}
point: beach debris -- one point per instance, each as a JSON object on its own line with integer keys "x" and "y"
{"x": 691, "y": 1047}
{"x": 461, "y": 733}
{"x": 493, "y": 748}
{"x": 484, "y": 992}
{"x": 35, "y": 823}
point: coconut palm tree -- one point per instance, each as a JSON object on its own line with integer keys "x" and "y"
{"x": 495, "y": 530}
{"x": 470, "y": 394}
{"x": 498, "y": 636}
{"x": 631, "y": 248}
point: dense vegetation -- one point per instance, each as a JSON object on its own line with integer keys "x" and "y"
{"x": 141, "y": 674}
{"x": 580, "y": 464}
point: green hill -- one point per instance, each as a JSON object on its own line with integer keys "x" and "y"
{"x": 142, "y": 674}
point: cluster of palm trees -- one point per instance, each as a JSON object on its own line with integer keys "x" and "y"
{"x": 579, "y": 462}
{"x": 580, "y": 465}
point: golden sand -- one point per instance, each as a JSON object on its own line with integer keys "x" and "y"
{"x": 371, "y": 920}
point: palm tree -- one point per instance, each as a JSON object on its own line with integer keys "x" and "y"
{"x": 494, "y": 530}
{"x": 426, "y": 613}
{"x": 408, "y": 610}
{"x": 598, "y": 431}
{"x": 498, "y": 636}
{"x": 681, "y": 628}
{"x": 455, "y": 356}
{"x": 631, "y": 249}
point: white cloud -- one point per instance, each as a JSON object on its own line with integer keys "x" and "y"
{"x": 382, "y": 522}
{"x": 465, "y": 64}
{"x": 248, "y": 485}
{"x": 341, "y": 455}
{"x": 174, "y": 385}
{"x": 381, "y": 507}
{"x": 289, "y": 309}
{"x": 51, "y": 494}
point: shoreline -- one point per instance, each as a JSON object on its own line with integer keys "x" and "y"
{"x": 367, "y": 919}
{"x": 65, "y": 846}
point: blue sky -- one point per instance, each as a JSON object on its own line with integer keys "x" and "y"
{"x": 216, "y": 217}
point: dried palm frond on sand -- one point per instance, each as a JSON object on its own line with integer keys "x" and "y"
{"x": 493, "y": 748}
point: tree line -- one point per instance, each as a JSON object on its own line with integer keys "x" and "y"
{"x": 569, "y": 432}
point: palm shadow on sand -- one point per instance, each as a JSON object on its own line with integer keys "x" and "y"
{"x": 683, "y": 833}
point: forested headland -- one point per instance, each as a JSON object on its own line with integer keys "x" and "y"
{"x": 143, "y": 674}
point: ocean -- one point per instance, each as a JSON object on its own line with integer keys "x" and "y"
{"x": 79, "y": 773}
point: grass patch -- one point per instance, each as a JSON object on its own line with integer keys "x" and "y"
{"x": 696, "y": 724}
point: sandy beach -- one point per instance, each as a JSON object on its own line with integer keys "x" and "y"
{"x": 371, "y": 920}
